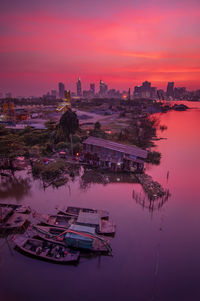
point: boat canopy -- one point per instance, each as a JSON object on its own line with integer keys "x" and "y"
{"x": 88, "y": 218}
{"x": 80, "y": 228}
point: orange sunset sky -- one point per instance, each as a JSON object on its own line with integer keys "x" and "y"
{"x": 121, "y": 42}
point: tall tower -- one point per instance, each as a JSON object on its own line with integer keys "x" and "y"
{"x": 61, "y": 89}
{"x": 170, "y": 89}
{"x": 78, "y": 87}
{"x": 103, "y": 88}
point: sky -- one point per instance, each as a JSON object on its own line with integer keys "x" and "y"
{"x": 120, "y": 42}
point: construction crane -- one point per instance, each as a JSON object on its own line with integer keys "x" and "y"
{"x": 66, "y": 104}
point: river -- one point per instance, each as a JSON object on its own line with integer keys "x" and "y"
{"x": 156, "y": 251}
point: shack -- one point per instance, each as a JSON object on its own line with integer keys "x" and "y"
{"x": 114, "y": 156}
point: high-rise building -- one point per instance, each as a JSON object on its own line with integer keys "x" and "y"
{"x": 78, "y": 87}
{"x": 1, "y": 95}
{"x": 180, "y": 93}
{"x": 92, "y": 88}
{"x": 161, "y": 94}
{"x": 145, "y": 91}
{"x": 53, "y": 94}
{"x": 61, "y": 90}
{"x": 8, "y": 95}
{"x": 103, "y": 88}
{"x": 170, "y": 89}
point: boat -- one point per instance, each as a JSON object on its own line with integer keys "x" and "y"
{"x": 46, "y": 250}
{"x": 102, "y": 226}
{"x": 74, "y": 211}
{"x": 14, "y": 222}
{"x": 83, "y": 237}
{"x": 58, "y": 220}
{"x": 76, "y": 236}
{"x": 48, "y": 231}
{"x": 7, "y": 209}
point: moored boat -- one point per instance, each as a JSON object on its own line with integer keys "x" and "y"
{"x": 75, "y": 211}
{"x": 76, "y": 236}
{"x": 83, "y": 237}
{"x": 102, "y": 226}
{"x": 58, "y": 220}
{"x": 14, "y": 222}
{"x": 46, "y": 250}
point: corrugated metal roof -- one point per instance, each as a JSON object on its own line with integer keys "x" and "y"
{"x": 81, "y": 228}
{"x": 123, "y": 148}
{"x": 88, "y": 218}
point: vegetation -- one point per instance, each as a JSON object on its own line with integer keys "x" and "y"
{"x": 154, "y": 157}
{"x": 69, "y": 123}
{"x": 140, "y": 131}
{"x": 97, "y": 131}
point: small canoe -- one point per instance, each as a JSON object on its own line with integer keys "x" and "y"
{"x": 74, "y": 211}
{"x": 46, "y": 250}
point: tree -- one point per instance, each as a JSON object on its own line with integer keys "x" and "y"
{"x": 97, "y": 126}
{"x": 69, "y": 123}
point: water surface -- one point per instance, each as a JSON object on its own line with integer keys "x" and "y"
{"x": 156, "y": 252}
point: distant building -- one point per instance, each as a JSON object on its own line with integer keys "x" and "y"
{"x": 145, "y": 91}
{"x": 170, "y": 90}
{"x": 54, "y": 93}
{"x": 161, "y": 94}
{"x": 8, "y": 95}
{"x": 61, "y": 89}
{"x": 87, "y": 94}
{"x": 114, "y": 93}
{"x": 180, "y": 93}
{"x": 1, "y": 95}
{"x": 78, "y": 87}
{"x": 103, "y": 88}
{"x": 92, "y": 88}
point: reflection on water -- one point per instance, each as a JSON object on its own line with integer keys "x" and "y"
{"x": 90, "y": 177}
{"x": 147, "y": 203}
{"x": 14, "y": 187}
{"x": 148, "y": 264}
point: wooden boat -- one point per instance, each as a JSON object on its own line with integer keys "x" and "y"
{"x": 59, "y": 220}
{"x": 48, "y": 231}
{"x": 76, "y": 236}
{"x": 6, "y": 210}
{"x": 46, "y": 250}
{"x": 16, "y": 221}
{"x": 74, "y": 211}
{"x": 102, "y": 226}
{"x": 83, "y": 237}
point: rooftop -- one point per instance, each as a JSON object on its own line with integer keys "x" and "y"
{"x": 119, "y": 147}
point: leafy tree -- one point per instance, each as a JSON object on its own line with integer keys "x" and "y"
{"x": 69, "y": 123}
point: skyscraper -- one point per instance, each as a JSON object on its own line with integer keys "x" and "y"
{"x": 92, "y": 88}
{"x": 103, "y": 88}
{"x": 61, "y": 89}
{"x": 78, "y": 87}
{"x": 170, "y": 89}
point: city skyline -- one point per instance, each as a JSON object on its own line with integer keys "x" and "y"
{"x": 43, "y": 43}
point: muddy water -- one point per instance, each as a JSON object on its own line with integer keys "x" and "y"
{"x": 156, "y": 252}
